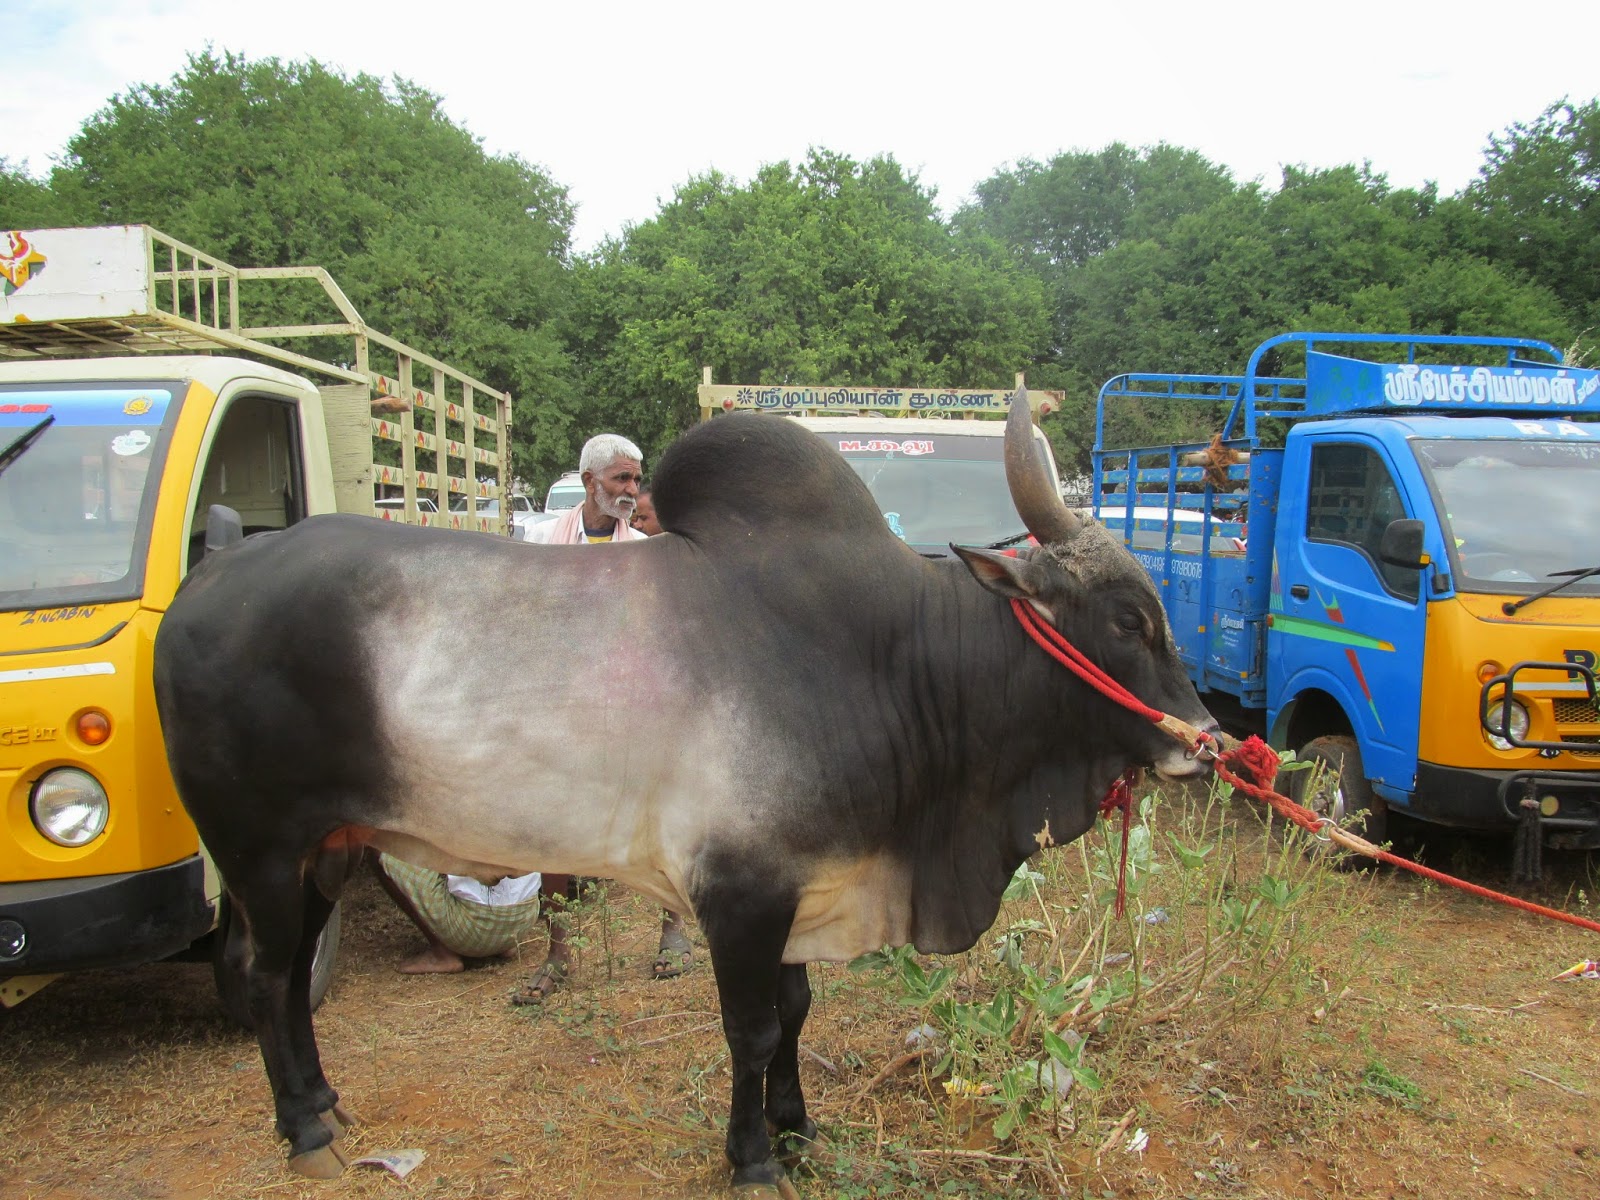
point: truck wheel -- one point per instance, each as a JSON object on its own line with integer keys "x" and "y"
{"x": 1342, "y": 794}
{"x": 230, "y": 985}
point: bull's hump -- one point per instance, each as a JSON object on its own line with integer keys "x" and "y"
{"x": 754, "y": 478}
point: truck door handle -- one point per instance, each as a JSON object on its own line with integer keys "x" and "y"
{"x": 1299, "y": 591}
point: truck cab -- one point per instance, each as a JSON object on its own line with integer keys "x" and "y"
{"x": 1411, "y": 604}
{"x": 123, "y": 462}
{"x": 102, "y": 512}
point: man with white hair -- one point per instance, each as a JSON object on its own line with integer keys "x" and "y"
{"x": 612, "y": 469}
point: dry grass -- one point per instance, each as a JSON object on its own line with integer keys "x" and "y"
{"x": 1376, "y": 1037}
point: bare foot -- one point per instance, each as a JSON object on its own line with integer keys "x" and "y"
{"x": 435, "y": 960}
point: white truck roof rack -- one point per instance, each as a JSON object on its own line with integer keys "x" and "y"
{"x": 131, "y": 289}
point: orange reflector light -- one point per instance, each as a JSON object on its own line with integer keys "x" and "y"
{"x": 94, "y": 727}
{"x": 1488, "y": 669}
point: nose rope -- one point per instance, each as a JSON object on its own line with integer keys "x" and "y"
{"x": 1120, "y": 796}
{"x": 1249, "y": 766}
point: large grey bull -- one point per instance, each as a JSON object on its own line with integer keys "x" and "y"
{"x": 776, "y": 716}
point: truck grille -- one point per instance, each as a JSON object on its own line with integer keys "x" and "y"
{"x": 1575, "y": 715}
{"x": 1576, "y": 712}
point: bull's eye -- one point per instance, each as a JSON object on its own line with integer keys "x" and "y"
{"x": 1130, "y": 622}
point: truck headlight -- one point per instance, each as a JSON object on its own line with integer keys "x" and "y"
{"x": 69, "y": 807}
{"x": 1496, "y": 719}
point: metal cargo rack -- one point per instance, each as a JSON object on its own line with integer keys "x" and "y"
{"x": 134, "y": 290}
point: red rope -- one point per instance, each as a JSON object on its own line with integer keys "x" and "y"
{"x": 1120, "y": 799}
{"x": 1255, "y": 761}
{"x": 1069, "y": 656}
{"x": 1249, "y": 766}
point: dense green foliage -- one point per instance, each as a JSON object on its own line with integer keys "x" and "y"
{"x": 832, "y": 272}
{"x": 1157, "y": 261}
{"x": 265, "y": 163}
{"x": 828, "y": 271}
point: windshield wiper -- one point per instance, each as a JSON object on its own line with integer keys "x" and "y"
{"x": 1576, "y": 575}
{"x": 1010, "y": 541}
{"x": 15, "y": 450}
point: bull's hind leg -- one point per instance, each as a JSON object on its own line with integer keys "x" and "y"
{"x": 302, "y": 1036}
{"x": 335, "y": 861}
{"x": 284, "y": 914}
{"x": 786, "y": 1103}
{"x": 746, "y": 928}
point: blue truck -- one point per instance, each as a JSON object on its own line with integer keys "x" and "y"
{"x": 1389, "y": 567}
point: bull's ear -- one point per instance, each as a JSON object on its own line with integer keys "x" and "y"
{"x": 1013, "y": 578}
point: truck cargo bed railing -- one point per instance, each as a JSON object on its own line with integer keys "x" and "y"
{"x": 134, "y": 290}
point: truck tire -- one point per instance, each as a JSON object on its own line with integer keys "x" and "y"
{"x": 230, "y": 985}
{"x": 1348, "y": 803}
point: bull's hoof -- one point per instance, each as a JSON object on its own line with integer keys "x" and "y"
{"x": 325, "y": 1162}
{"x": 338, "y": 1120}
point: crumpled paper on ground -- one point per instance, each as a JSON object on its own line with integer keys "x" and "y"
{"x": 398, "y": 1163}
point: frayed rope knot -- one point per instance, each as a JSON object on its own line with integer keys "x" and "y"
{"x": 1252, "y": 760}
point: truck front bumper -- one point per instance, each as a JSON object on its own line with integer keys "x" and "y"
{"x": 1492, "y": 800}
{"x": 54, "y": 925}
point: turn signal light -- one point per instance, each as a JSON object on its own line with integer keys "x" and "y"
{"x": 1488, "y": 669}
{"x": 93, "y": 727}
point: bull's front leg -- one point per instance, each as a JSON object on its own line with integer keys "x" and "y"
{"x": 786, "y": 1103}
{"x": 746, "y": 928}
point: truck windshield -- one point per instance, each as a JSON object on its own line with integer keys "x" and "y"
{"x": 75, "y": 507}
{"x": 935, "y": 489}
{"x": 1515, "y": 511}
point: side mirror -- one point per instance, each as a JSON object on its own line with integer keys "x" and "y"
{"x": 224, "y": 527}
{"x": 1401, "y": 545}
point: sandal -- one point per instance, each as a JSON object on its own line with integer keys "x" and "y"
{"x": 674, "y": 956}
{"x": 545, "y": 981}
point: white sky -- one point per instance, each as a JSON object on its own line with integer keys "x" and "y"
{"x": 622, "y": 101}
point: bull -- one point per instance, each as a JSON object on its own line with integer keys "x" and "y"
{"x": 776, "y": 716}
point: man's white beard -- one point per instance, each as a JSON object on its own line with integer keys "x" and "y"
{"x": 619, "y": 509}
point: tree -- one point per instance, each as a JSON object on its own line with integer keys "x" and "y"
{"x": 1159, "y": 263}
{"x": 25, "y": 203}
{"x": 268, "y": 163}
{"x": 1539, "y": 194}
{"x": 829, "y": 272}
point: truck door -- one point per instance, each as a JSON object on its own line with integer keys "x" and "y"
{"x": 1344, "y": 622}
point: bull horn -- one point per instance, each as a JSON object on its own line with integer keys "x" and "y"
{"x": 1038, "y": 503}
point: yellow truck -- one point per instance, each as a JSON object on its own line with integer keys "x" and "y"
{"x": 141, "y": 425}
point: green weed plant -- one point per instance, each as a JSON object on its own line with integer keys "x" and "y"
{"x": 1044, "y": 1025}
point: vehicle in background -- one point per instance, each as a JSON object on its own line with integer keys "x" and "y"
{"x": 935, "y": 467}
{"x": 1151, "y": 526}
{"x": 524, "y": 532}
{"x": 936, "y": 482}
{"x": 566, "y": 492}
{"x": 387, "y": 505}
{"x": 117, "y": 475}
{"x": 522, "y": 511}
{"x": 1418, "y": 604}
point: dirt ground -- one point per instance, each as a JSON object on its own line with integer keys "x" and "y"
{"x": 1450, "y": 1064}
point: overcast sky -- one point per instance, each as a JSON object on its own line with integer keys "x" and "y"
{"x": 621, "y": 102}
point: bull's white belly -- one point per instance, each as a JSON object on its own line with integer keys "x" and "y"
{"x": 595, "y": 758}
{"x": 588, "y": 760}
